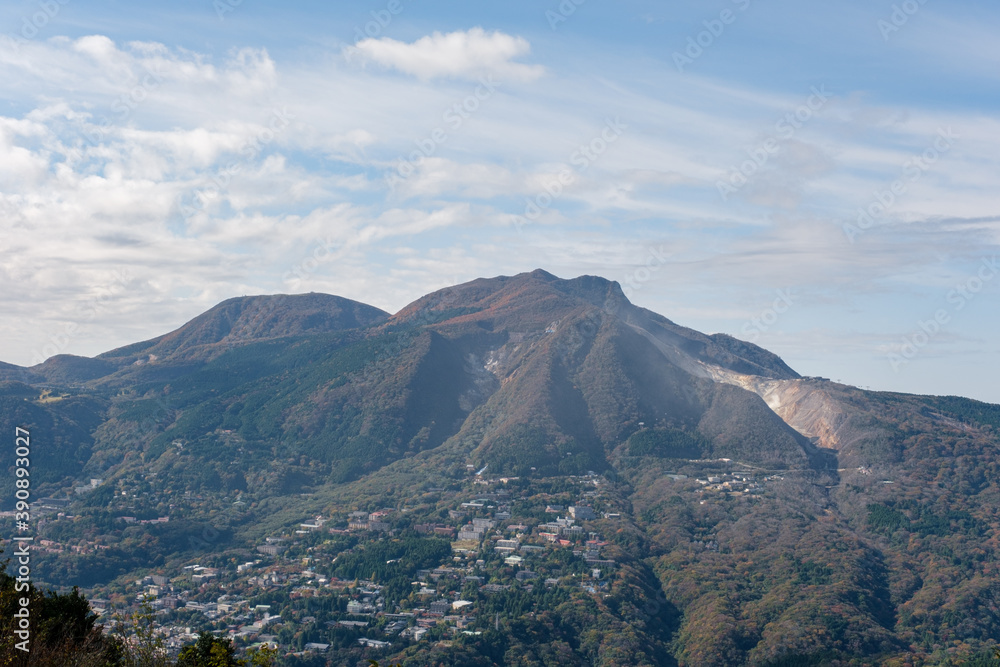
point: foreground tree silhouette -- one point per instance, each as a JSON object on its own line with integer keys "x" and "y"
{"x": 63, "y": 629}
{"x": 211, "y": 651}
{"x": 141, "y": 645}
{"x": 64, "y": 633}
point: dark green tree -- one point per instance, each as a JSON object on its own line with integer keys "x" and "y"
{"x": 63, "y": 629}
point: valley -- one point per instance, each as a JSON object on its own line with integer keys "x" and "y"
{"x": 517, "y": 470}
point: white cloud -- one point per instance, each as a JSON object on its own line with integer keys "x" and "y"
{"x": 86, "y": 191}
{"x": 461, "y": 54}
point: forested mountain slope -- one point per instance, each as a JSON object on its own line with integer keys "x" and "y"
{"x": 766, "y": 517}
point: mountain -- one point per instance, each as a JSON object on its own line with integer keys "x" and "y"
{"x": 244, "y": 320}
{"x": 232, "y": 323}
{"x": 766, "y": 517}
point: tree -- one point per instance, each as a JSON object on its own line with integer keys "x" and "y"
{"x": 211, "y": 651}
{"x": 141, "y": 645}
{"x": 63, "y": 630}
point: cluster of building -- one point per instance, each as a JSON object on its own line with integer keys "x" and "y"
{"x": 493, "y": 549}
{"x": 375, "y": 521}
{"x": 737, "y": 483}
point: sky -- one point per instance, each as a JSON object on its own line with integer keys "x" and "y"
{"x": 819, "y": 179}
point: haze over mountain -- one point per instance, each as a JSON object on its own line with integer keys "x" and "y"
{"x": 271, "y": 397}
{"x": 521, "y": 372}
{"x": 569, "y": 366}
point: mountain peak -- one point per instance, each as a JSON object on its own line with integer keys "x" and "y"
{"x": 542, "y": 274}
{"x": 251, "y": 318}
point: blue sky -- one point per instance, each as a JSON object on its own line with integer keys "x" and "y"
{"x": 713, "y": 157}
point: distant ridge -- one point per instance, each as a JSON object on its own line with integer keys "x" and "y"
{"x": 774, "y": 517}
{"x": 252, "y": 318}
{"x": 234, "y": 322}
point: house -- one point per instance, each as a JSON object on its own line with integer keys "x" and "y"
{"x": 507, "y": 545}
{"x": 360, "y": 608}
{"x": 440, "y": 607}
{"x": 272, "y": 549}
{"x": 469, "y": 532}
{"x": 319, "y": 648}
{"x": 495, "y": 588}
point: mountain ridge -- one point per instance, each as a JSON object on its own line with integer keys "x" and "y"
{"x": 769, "y": 516}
